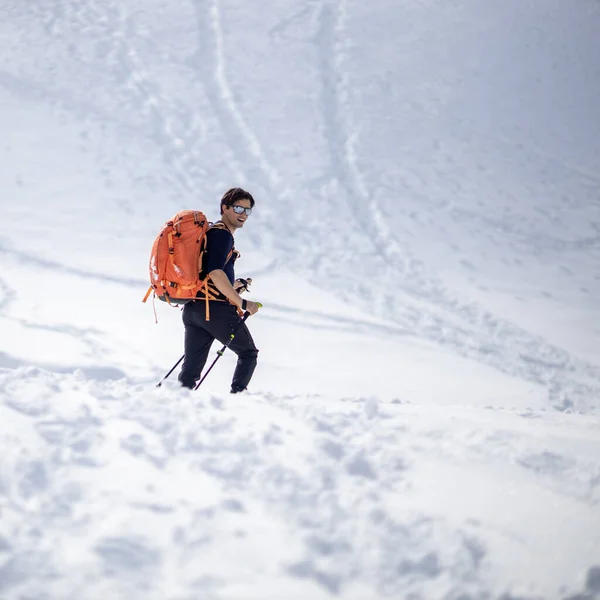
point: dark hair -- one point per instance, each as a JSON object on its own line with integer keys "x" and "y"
{"x": 230, "y": 197}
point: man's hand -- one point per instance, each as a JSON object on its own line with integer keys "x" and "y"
{"x": 242, "y": 285}
{"x": 224, "y": 286}
{"x": 252, "y": 307}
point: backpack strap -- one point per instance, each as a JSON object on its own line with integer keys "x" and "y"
{"x": 218, "y": 225}
{"x": 148, "y": 294}
{"x": 207, "y": 294}
{"x": 206, "y": 298}
{"x": 221, "y": 225}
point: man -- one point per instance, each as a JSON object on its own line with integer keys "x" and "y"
{"x": 215, "y": 314}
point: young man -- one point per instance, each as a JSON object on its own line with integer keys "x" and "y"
{"x": 215, "y": 314}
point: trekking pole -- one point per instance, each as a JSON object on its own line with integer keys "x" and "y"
{"x": 174, "y": 367}
{"x": 222, "y": 350}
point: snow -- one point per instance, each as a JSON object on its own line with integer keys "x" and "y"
{"x": 424, "y": 419}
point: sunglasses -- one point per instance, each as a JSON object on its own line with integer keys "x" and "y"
{"x": 238, "y": 210}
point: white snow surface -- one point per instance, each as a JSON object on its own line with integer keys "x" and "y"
{"x": 424, "y": 421}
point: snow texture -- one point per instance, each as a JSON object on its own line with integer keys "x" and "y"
{"x": 424, "y": 419}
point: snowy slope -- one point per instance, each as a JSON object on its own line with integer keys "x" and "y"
{"x": 424, "y": 420}
{"x": 121, "y": 491}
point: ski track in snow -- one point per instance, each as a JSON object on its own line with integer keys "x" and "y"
{"x": 318, "y": 320}
{"x": 163, "y": 114}
{"x": 330, "y": 471}
{"x": 272, "y": 178}
{"x": 175, "y": 129}
{"x": 51, "y": 265}
{"x": 40, "y": 92}
{"x": 246, "y": 150}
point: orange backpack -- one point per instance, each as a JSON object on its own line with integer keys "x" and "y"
{"x": 176, "y": 258}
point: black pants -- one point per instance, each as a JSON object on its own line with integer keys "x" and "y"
{"x": 200, "y": 334}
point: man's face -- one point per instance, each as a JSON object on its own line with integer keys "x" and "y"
{"x": 230, "y": 213}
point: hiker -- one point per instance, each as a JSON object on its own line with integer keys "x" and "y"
{"x": 215, "y": 313}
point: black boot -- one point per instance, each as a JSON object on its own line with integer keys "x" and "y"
{"x": 186, "y": 383}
